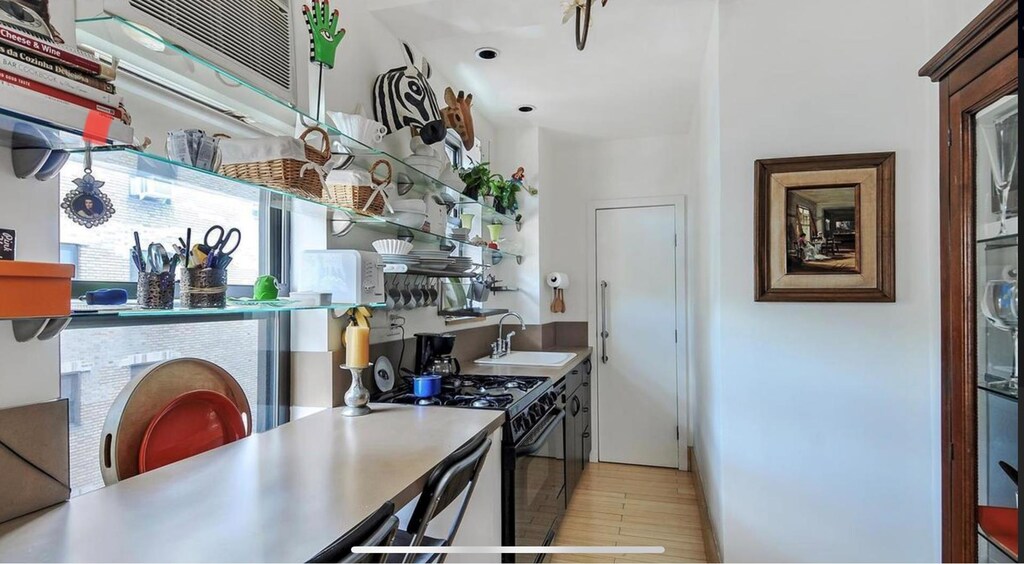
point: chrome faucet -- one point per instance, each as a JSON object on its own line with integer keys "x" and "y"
{"x": 503, "y": 345}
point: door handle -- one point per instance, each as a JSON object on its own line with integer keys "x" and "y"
{"x": 604, "y": 322}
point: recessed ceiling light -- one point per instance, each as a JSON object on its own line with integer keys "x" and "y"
{"x": 487, "y": 53}
{"x": 527, "y": 108}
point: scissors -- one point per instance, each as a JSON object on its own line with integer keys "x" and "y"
{"x": 219, "y": 251}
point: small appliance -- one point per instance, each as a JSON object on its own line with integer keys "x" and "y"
{"x": 430, "y": 346}
{"x": 351, "y": 277}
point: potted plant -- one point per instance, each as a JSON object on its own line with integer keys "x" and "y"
{"x": 505, "y": 193}
{"x": 478, "y": 181}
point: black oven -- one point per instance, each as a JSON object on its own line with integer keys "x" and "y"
{"x": 533, "y": 475}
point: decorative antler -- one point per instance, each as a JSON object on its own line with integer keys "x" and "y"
{"x": 324, "y": 34}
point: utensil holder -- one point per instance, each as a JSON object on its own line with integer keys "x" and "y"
{"x": 156, "y": 290}
{"x": 203, "y": 288}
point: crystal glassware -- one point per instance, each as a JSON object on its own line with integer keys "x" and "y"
{"x": 999, "y": 305}
{"x": 1001, "y": 144}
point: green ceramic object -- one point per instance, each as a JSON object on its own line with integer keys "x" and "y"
{"x": 265, "y": 288}
{"x": 324, "y": 33}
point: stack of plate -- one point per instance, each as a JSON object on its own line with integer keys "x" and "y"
{"x": 401, "y": 259}
{"x": 460, "y": 234}
{"x": 433, "y": 259}
{"x": 461, "y": 264}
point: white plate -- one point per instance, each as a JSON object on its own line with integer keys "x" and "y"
{"x": 384, "y": 374}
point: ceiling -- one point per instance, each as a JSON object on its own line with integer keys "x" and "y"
{"x": 637, "y": 77}
{"x": 840, "y": 197}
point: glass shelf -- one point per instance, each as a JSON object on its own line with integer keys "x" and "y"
{"x": 425, "y": 185}
{"x": 137, "y": 163}
{"x": 143, "y": 52}
{"x": 401, "y": 269}
{"x": 20, "y": 126}
{"x": 231, "y": 309}
{"x": 474, "y": 312}
{"x": 999, "y": 388}
{"x": 1000, "y": 241}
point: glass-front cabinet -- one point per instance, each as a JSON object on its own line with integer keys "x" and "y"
{"x": 995, "y": 290}
{"x": 979, "y": 248}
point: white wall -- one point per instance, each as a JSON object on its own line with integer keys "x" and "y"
{"x": 581, "y": 170}
{"x": 28, "y": 371}
{"x": 824, "y": 418}
{"x": 706, "y": 266}
{"x": 369, "y": 49}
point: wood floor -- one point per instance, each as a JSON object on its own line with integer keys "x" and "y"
{"x": 621, "y": 505}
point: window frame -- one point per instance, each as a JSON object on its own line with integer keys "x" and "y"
{"x": 274, "y": 327}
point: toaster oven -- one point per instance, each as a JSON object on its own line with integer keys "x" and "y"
{"x": 351, "y": 277}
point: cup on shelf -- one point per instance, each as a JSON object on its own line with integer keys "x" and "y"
{"x": 495, "y": 231}
{"x": 467, "y": 220}
{"x": 155, "y": 290}
{"x": 203, "y": 288}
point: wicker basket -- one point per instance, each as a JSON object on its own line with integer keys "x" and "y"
{"x": 357, "y": 197}
{"x": 290, "y": 175}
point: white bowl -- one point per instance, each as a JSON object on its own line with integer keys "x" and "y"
{"x": 409, "y": 219}
{"x": 427, "y": 164}
{"x": 392, "y": 247}
{"x": 410, "y": 206}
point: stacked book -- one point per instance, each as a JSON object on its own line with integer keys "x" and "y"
{"x": 74, "y": 79}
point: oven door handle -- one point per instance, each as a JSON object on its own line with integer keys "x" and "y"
{"x": 532, "y": 448}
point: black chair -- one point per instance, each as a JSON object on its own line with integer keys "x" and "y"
{"x": 454, "y": 475}
{"x": 376, "y": 530}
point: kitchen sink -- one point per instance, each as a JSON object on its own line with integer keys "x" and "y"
{"x": 531, "y": 358}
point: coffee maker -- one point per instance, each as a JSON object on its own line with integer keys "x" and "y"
{"x": 431, "y": 347}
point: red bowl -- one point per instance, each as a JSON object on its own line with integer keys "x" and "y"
{"x": 192, "y": 423}
{"x": 1000, "y": 526}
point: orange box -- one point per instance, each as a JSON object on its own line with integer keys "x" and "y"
{"x": 35, "y": 289}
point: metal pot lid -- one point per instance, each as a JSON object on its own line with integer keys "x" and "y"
{"x": 384, "y": 374}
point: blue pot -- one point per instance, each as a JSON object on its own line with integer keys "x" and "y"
{"x": 426, "y": 386}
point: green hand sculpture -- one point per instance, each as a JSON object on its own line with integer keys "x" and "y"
{"x": 324, "y": 35}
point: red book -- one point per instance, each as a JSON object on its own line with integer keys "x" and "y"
{"x": 20, "y": 81}
{"x": 71, "y": 57}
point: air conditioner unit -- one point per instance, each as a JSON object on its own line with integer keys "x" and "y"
{"x": 249, "y": 39}
{"x": 147, "y": 189}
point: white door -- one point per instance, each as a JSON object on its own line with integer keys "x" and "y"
{"x": 636, "y": 344}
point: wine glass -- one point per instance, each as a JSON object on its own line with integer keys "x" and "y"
{"x": 999, "y": 305}
{"x": 1001, "y": 141}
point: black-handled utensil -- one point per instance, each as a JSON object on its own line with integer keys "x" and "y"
{"x": 1010, "y": 470}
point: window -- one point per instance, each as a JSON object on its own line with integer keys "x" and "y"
{"x": 248, "y": 347}
{"x": 118, "y": 354}
{"x": 103, "y": 252}
{"x": 454, "y": 151}
{"x": 71, "y": 389}
{"x": 69, "y": 254}
{"x": 804, "y": 217}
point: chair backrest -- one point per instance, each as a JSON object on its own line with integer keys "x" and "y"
{"x": 446, "y": 483}
{"x": 376, "y": 530}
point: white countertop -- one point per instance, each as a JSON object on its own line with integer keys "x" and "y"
{"x": 279, "y": 496}
{"x": 544, "y": 372}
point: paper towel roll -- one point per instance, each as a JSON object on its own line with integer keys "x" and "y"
{"x": 558, "y": 280}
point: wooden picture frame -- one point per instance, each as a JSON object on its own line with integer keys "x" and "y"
{"x": 799, "y": 256}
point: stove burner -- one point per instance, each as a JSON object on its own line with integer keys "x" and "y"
{"x": 484, "y": 392}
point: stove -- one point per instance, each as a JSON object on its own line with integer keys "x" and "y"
{"x": 508, "y": 393}
{"x": 533, "y": 450}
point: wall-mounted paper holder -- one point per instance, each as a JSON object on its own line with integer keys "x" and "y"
{"x": 39, "y": 328}
{"x": 35, "y": 155}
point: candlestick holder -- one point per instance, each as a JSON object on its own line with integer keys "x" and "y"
{"x": 357, "y": 397}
